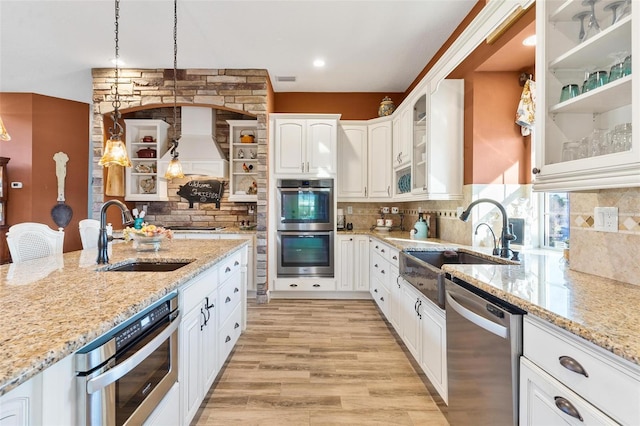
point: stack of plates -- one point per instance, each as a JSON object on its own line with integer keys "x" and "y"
{"x": 404, "y": 183}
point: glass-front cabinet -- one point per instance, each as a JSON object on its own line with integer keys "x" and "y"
{"x": 419, "y": 139}
{"x": 586, "y": 95}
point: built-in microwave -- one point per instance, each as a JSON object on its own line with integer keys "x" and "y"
{"x": 305, "y": 205}
{"x": 305, "y": 254}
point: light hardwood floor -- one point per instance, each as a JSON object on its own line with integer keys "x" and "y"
{"x": 318, "y": 362}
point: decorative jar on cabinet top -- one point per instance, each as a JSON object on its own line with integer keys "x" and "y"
{"x": 386, "y": 107}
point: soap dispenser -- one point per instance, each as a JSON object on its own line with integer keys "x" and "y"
{"x": 421, "y": 227}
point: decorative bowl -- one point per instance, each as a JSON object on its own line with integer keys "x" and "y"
{"x": 143, "y": 243}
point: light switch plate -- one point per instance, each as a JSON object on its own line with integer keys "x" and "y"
{"x": 606, "y": 219}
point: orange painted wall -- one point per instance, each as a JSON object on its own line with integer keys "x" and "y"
{"x": 352, "y": 106}
{"x": 39, "y": 127}
{"x": 499, "y": 150}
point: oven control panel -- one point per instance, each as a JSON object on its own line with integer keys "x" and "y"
{"x": 132, "y": 331}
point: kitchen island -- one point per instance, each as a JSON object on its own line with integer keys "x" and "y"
{"x": 54, "y": 306}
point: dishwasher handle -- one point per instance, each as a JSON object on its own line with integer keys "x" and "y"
{"x": 481, "y": 322}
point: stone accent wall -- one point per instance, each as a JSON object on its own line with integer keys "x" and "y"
{"x": 238, "y": 91}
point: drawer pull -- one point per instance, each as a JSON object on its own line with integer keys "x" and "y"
{"x": 395, "y": 257}
{"x": 382, "y": 271}
{"x": 227, "y": 269}
{"x": 375, "y": 265}
{"x": 236, "y": 326}
{"x": 236, "y": 263}
{"x": 375, "y": 290}
{"x": 316, "y": 285}
{"x": 227, "y": 300}
{"x": 293, "y": 285}
{"x": 572, "y": 365}
{"x": 382, "y": 299}
{"x": 567, "y": 407}
{"x": 382, "y": 250}
{"x": 227, "y": 340}
{"x": 235, "y": 290}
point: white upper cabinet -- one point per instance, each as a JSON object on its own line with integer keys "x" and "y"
{"x": 380, "y": 152}
{"x": 352, "y": 161}
{"x": 401, "y": 138}
{"x": 305, "y": 144}
{"x": 582, "y": 142}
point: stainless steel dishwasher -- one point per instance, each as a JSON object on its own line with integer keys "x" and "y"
{"x": 484, "y": 344}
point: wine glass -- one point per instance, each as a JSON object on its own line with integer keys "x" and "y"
{"x": 626, "y": 10}
{"x": 593, "y": 27}
{"x": 613, "y": 7}
{"x": 580, "y": 17}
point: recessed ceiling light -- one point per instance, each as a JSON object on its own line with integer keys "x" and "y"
{"x": 119, "y": 61}
{"x": 529, "y": 41}
{"x": 318, "y": 63}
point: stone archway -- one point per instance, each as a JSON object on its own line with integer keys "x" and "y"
{"x": 244, "y": 91}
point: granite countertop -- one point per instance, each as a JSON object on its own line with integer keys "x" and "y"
{"x": 56, "y": 305}
{"x": 600, "y": 310}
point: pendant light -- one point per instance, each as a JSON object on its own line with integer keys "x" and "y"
{"x": 115, "y": 153}
{"x": 4, "y": 135}
{"x": 174, "y": 170}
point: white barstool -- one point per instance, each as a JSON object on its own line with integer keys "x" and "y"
{"x": 89, "y": 231}
{"x": 30, "y": 240}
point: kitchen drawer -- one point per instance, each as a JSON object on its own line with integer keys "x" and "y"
{"x": 309, "y": 284}
{"x": 380, "y": 267}
{"x": 194, "y": 292}
{"x": 230, "y": 265}
{"x": 394, "y": 257}
{"x": 612, "y": 385}
{"x": 229, "y": 296}
{"x": 380, "y": 294}
{"x": 539, "y": 394}
{"x": 229, "y": 334}
{"x": 380, "y": 248}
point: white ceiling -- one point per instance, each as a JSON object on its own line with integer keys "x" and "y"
{"x": 368, "y": 46}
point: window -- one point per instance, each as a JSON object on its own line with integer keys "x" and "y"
{"x": 556, "y": 220}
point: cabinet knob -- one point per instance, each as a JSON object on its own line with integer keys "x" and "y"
{"x": 236, "y": 326}
{"x": 227, "y": 340}
{"x": 227, "y": 300}
{"x": 316, "y": 285}
{"x": 227, "y": 269}
{"x": 236, "y": 263}
{"x": 293, "y": 285}
{"x": 235, "y": 290}
{"x": 535, "y": 171}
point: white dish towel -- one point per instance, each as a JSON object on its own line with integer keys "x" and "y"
{"x": 526, "y": 113}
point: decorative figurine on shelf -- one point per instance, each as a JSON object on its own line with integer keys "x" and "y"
{"x": 247, "y": 168}
{"x": 240, "y": 153}
{"x": 252, "y": 154}
{"x": 253, "y": 189}
{"x": 386, "y": 107}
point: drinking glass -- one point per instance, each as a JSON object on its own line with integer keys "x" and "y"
{"x": 569, "y": 91}
{"x": 626, "y": 67}
{"x": 613, "y": 7}
{"x": 598, "y": 142}
{"x": 593, "y": 27}
{"x": 580, "y": 17}
{"x": 583, "y": 150}
{"x": 570, "y": 151}
{"x": 597, "y": 79}
{"x": 626, "y": 10}
{"x": 621, "y": 138}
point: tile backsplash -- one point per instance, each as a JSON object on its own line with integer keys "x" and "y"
{"x": 607, "y": 254}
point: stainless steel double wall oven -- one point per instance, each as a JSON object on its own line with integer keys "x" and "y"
{"x": 305, "y": 236}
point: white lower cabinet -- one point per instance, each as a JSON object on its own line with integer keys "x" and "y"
{"x": 352, "y": 262}
{"x": 569, "y": 375}
{"x": 21, "y": 406}
{"x": 544, "y": 401}
{"x": 211, "y": 301}
{"x": 197, "y": 360}
{"x": 167, "y": 413}
{"x": 422, "y": 327}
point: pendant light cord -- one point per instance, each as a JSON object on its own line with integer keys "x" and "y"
{"x": 116, "y": 130}
{"x": 175, "y": 80}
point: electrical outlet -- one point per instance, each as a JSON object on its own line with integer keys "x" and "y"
{"x": 605, "y": 219}
{"x": 349, "y": 209}
{"x": 419, "y": 209}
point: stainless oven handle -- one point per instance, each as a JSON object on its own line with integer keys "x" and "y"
{"x": 110, "y": 376}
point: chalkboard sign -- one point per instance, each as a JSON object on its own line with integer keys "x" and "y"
{"x": 202, "y": 191}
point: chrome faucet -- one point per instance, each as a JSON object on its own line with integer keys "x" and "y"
{"x": 495, "y": 251}
{"x": 506, "y": 236}
{"x": 103, "y": 238}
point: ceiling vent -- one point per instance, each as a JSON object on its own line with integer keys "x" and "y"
{"x": 286, "y": 78}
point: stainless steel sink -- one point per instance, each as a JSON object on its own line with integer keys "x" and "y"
{"x": 148, "y": 267}
{"x": 422, "y": 269}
